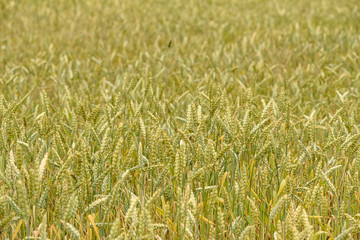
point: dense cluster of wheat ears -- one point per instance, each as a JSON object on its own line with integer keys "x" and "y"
{"x": 174, "y": 119}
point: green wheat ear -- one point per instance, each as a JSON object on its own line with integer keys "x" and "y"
{"x": 278, "y": 207}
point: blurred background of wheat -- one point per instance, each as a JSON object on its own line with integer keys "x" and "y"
{"x": 179, "y": 119}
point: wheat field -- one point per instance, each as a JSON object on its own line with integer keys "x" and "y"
{"x": 169, "y": 119}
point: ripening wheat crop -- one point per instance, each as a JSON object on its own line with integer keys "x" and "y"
{"x": 169, "y": 119}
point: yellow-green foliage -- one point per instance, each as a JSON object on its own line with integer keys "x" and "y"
{"x": 169, "y": 119}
